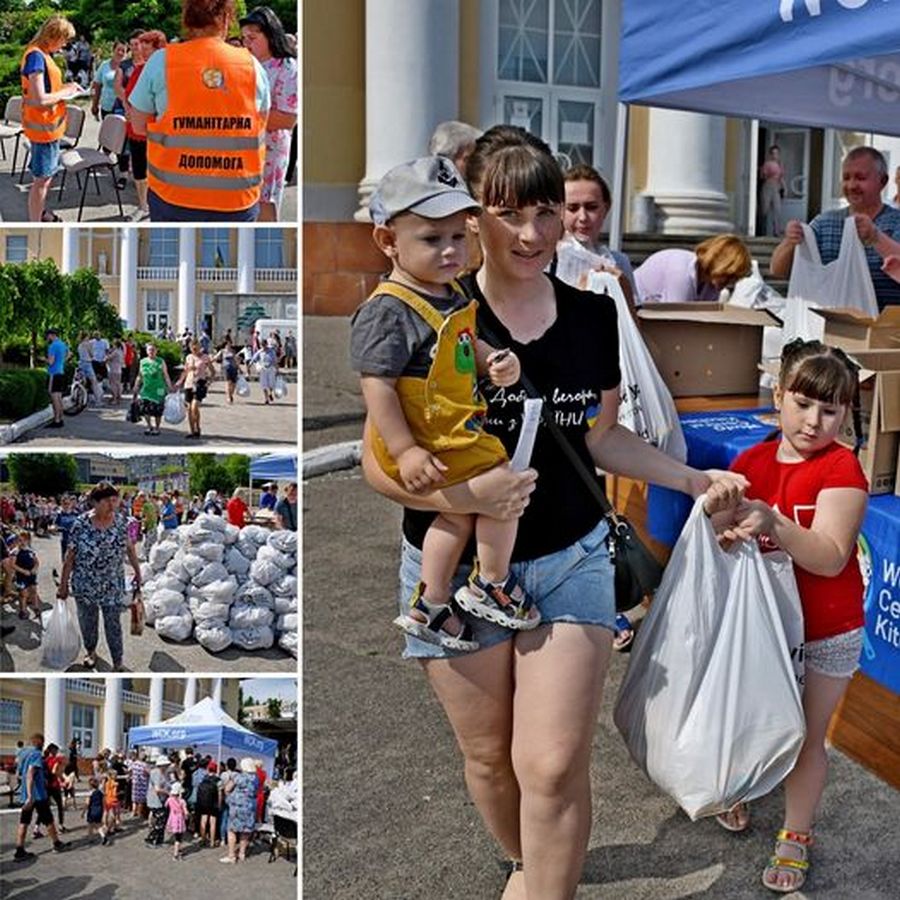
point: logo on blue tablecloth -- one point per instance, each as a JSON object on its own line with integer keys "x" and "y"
{"x": 864, "y": 555}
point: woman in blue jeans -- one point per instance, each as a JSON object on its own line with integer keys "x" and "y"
{"x": 524, "y": 705}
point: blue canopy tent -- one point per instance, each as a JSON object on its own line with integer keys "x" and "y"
{"x": 819, "y": 63}
{"x": 274, "y": 467}
{"x": 208, "y": 729}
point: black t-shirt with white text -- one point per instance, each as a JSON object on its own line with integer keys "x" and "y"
{"x": 575, "y": 359}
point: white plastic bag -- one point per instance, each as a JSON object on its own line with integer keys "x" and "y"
{"x": 264, "y": 571}
{"x": 246, "y": 616}
{"x": 242, "y": 387}
{"x": 210, "y": 551}
{"x": 709, "y": 706}
{"x": 288, "y": 641}
{"x": 280, "y": 389}
{"x": 284, "y": 561}
{"x": 260, "y": 638}
{"x": 62, "y": 636}
{"x": 214, "y": 636}
{"x": 236, "y": 562}
{"x": 284, "y": 541}
{"x": 645, "y": 403}
{"x": 175, "y": 627}
{"x": 844, "y": 282}
{"x": 174, "y": 411}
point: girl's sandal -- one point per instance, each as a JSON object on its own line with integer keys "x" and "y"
{"x": 430, "y": 627}
{"x": 796, "y": 868}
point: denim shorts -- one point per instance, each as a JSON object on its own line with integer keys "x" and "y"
{"x": 836, "y": 656}
{"x": 44, "y": 159}
{"x": 573, "y": 585}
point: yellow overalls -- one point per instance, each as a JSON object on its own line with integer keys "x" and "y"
{"x": 444, "y": 410}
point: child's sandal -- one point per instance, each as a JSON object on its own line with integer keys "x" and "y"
{"x": 505, "y": 604}
{"x": 435, "y": 616}
{"x": 797, "y": 868}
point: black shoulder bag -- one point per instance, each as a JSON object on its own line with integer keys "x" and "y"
{"x": 637, "y": 571}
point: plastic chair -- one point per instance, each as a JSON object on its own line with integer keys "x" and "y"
{"x": 11, "y": 127}
{"x": 88, "y": 161}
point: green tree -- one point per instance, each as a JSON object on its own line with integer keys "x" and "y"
{"x": 206, "y": 473}
{"x": 273, "y": 708}
{"x": 86, "y": 307}
{"x": 36, "y": 298}
{"x": 47, "y": 474}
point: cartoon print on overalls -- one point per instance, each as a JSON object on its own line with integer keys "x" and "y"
{"x": 464, "y": 360}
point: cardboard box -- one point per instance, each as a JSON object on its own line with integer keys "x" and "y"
{"x": 879, "y": 394}
{"x": 705, "y": 349}
{"x": 851, "y": 330}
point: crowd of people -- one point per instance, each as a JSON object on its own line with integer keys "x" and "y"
{"x": 210, "y": 120}
{"x": 109, "y": 369}
{"x": 178, "y": 793}
{"x": 100, "y": 534}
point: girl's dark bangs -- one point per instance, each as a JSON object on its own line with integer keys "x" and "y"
{"x": 823, "y": 378}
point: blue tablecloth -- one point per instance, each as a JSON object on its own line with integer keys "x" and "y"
{"x": 879, "y": 558}
{"x": 713, "y": 441}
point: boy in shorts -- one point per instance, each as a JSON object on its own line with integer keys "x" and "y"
{"x": 34, "y": 798}
{"x": 26, "y": 569}
{"x": 414, "y": 344}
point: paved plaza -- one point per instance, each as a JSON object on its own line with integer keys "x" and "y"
{"x": 385, "y": 808}
{"x": 127, "y": 869}
{"x": 21, "y": 651}
{"x": 246, "y": 422}
{"x": 100, "y": 207}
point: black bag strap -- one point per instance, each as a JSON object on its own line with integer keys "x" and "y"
{"x": 549, "y": 419}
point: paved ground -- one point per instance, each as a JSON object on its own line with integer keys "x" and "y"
{"x": 128, "y": 870}
{"x": 98, "y": 208}
{"x": 21, "y": 651}
{"x": 385, "y": 810}
{"x": 248, "y": 421}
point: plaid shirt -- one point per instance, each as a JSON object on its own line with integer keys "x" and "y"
{"x": 829, "y": 228}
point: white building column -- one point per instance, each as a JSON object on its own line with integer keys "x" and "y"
{"x": 412, "y": 82}
{"x": 70, "y": 249}
{"x": 687, "y": 172}
{"x": 246, "y": 261}
{"x": 128, "y": 255}
{"x": 217, "y": 691}
{"x": 186, "y": 309}
{"x": 190, "y": 691}
{"x": 157, "y": 688}
{"x": 55, "y": 712}
{"x": 112, "y": 714}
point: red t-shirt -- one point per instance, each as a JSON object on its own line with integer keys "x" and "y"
{"x": 129, "y": 87}
{"x": 236, "y": 510}
{"x": 830, "y": 605}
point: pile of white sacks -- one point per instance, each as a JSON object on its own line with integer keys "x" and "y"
{"x": 226, "y": 585}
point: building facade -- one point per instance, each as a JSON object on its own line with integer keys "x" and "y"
{"x": 550, "y": 66}
{"x": 98, "y": 711}
{"x": 165, "y": 277}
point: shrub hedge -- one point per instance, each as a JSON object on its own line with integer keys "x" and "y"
{"x": 22, "y": 392}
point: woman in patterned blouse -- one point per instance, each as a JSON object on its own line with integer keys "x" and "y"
{"x": 98, "y": 545}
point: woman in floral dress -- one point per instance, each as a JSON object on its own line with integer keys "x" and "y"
{"x": 240, "y": 795}
{"x": 263, "y": 35}
{"x": 95, "y": 557}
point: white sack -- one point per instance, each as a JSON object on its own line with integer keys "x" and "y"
{"x": 709, "y": 706}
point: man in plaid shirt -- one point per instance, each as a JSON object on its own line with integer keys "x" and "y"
{"x": 864, "y": 176}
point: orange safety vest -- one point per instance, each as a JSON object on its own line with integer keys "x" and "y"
{"x": 207, "y": 150}
{"x": 43, "y": 124}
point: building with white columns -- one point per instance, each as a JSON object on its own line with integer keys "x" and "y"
{"x": 161, "y": 277}
{"x": 99, "y": 711}
{"x": 381, "y": 74}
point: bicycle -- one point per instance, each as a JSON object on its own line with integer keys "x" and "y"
{"x": 78, "y": 395}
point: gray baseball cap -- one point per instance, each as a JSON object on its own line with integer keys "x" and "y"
{"x": 430, "y": 187}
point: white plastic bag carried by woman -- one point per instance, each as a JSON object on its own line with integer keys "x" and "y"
{"x": 280, "y": 389}
{"x": 242, "y": 387}
{"x": 710, "y": 705}
{"x": 62, "y": 636}
{"x": 174, "y": 411}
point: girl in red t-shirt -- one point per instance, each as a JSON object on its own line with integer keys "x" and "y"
{"x": 807, "y": 496}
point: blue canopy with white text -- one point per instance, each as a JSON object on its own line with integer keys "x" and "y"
{"x": 208, "y": 729}
{"x": 820, "y": 63}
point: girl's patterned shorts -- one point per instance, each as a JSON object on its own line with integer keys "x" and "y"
{"x": 836, "y": 656}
